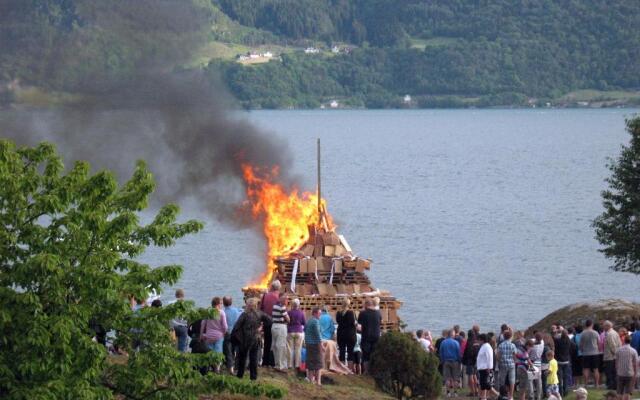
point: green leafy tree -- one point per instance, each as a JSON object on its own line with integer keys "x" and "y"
{"x": 68, "y": 248}
{"x": 400, "y": 366}
{"x": 618, "y": 227}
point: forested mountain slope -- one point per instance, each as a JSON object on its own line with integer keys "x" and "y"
{"x": 439, "y": 52}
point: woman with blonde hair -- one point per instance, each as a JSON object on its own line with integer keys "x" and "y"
{"x": 346, "y": 320}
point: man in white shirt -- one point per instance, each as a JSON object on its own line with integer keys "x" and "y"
{"x": 484, "y": 365}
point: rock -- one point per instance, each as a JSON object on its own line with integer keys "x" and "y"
{"x": 618, "y": 311}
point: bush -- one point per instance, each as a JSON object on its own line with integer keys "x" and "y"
{"x": 400, "y": 366}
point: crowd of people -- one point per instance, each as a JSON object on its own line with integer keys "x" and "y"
{"x": 541, "y": 364}
{"x": 272, "y": 331}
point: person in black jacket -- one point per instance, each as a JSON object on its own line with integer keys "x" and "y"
{"x": 246, "y": 335}
{"x": 562, "y": 346}
{"x": 346, "y": 320}
{"x": 370, "y": 321}
{"x": 469, "y": 360}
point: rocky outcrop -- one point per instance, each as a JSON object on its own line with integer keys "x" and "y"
{"x": 618, "y": 311}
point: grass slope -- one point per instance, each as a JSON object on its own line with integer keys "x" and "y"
{"x": 336, "y": 387}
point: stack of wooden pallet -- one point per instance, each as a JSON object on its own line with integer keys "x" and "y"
{"x": 325, "y": 271}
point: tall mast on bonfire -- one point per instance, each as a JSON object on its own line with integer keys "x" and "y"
{"x": 322, "y": 220}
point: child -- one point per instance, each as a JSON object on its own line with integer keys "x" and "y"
{"x": 357, "y": 356}
{"x": 552, "y": 377}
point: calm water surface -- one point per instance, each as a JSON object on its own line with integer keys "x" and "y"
{"x": 469, "y": 215}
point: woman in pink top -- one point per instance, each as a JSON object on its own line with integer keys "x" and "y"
{"x": 212, "y": 330}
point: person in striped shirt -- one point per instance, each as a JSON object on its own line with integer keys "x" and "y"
{"x": 280, "y": 319}
{"x": 626, "y": 368}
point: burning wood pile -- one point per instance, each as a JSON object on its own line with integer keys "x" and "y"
{"x": 312, "y": 262}
{"x": 324, "y": 271}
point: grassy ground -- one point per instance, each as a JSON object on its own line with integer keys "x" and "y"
{"x": 600, "y": 98}
{"x": 343, "y": 387}
{"x": 334, "y": 387}
{"x": 351, "y": 388}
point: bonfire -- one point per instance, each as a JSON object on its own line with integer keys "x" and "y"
{"x": 312, "y": 261}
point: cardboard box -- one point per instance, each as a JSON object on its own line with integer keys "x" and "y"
{"x": 341, "y": 288}
{"x": 337, "y": 267}
{"x": 331, "y": 239}
{"x": 356, "y": 288}
{"x": 340, "y": 250}
{"x": 323, "y": 289}
{"x": 349, "y": 264}
{"x": 318, "y": 250}
{"x": 329, "y": 251}
{"x": 307, "y": 250}
{"x": 321, "y": 264}
{"x": 311, "y": 265}
{"x": 303, "y": 266}
{"x": 362, "y": 264}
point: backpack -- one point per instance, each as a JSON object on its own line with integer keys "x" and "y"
{"x": 197, "y": 345}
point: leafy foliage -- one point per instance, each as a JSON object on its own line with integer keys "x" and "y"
{"x": 68, "y": 243}
{"x": 400, "y": 366}
{"x": 618, "y": 227}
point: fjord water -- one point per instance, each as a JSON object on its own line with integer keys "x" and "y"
{"x": 470, "y": 216}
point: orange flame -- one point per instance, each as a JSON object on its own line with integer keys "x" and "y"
{"x": 285, "y": 216}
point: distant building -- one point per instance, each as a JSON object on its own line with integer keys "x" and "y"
{"x": 334, "y": 104}
{"x": 311, "y": 50}
{"x": 254, "y": 56}
{"x": 268, "y": 54}
{"x": 242, "y": 57}
{"x": 407, "y": 99}
{"x": 335, "y": 49}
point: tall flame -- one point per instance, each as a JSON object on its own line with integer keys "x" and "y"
{"x": 285, "y": 217}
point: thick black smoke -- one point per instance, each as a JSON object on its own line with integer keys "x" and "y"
{"x": 181, "y": 123}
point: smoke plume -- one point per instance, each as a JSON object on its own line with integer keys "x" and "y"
{"x": 180, "y": 121}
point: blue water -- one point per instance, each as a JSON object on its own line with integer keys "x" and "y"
{"x": 470, "y": 216}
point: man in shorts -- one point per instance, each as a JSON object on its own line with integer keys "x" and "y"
{"x": 590, "y": 353}
{"x": 626, "y": 368}
{"x": 450, "y": 358}
{"x": 507, "y": 363}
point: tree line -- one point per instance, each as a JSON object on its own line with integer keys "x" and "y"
{"x": 496, "y": 53}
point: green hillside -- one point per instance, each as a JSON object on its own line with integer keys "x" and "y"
{"x": 442, "y": 53}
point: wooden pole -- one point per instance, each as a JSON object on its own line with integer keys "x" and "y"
{"x": 319, "y": 187}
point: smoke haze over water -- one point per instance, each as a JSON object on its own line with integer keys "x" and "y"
{"x": 181, "y": 123}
